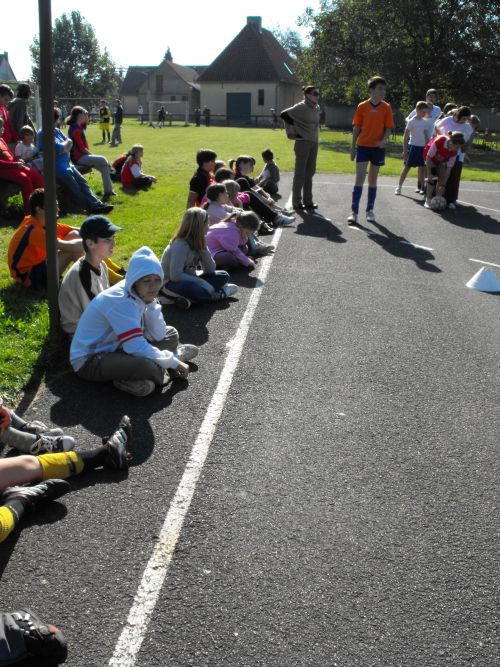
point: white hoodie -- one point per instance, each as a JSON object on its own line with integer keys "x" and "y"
{"x": 118, "y": 319}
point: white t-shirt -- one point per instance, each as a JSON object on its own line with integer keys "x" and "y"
{"x": 449, "y": 124}
{"x": 420, "y": 131}
{"x": 434, "y": 113}
{"x": 26, "y": 153}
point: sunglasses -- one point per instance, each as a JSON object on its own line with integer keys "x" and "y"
{"x": 315, "y": 93}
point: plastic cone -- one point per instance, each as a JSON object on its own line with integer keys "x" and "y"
{"x": 485, "y": 280}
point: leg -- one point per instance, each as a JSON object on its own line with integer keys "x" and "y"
{"x": 361, "y": 168}
{"x": 217, "y": 279}
{"x": 19, "y": 177}
{"x": 120, "y": 366}
{"x": 301, "y": 150}
{"x": 142, "y": 182}
{"x": 372, "y": 186}
{"x": 91, "y": 200}
{"x": 100, "y": 163}
{"x": 69, "y": 183}
{"x": 259, "y": 207}
{"x": 170, "y": 342}
{"x": 191, "y": 290}
{"x": 19, "y": 470}
{"x": 309, "y": 173}
{"x": 403, "y": 175}
{"x": 453, "y": 183}
{"x": 421, "y": 178}
{"x": 226, "y": 259}
{"x": 35, "y": 177}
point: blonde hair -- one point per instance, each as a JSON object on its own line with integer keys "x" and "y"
{"x": 193, "y": 228}
{"x": 232, "y": 188}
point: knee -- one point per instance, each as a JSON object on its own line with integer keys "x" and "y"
{"x": 172, "y": 337}
{"x": 29, "y": 464}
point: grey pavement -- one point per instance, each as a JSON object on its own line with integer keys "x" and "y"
{"x": 346, "y": 511}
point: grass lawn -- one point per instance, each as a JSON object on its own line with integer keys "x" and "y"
{"x": 151, "y": 217}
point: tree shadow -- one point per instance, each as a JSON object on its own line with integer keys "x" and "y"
{"x": 400, "y": 247}
{"x": 77, "y": 406}
{"x": 469, "y": 217}
{"x": 316, "y": 225}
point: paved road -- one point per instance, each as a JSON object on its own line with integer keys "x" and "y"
{"x": 345, "y": 513}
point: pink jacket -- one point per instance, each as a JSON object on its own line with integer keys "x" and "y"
{"x": 227, "y": 237}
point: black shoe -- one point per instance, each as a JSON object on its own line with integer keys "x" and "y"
{"x": 299, "y": 207}
{"x": 182, "y": 302}
{"x": 314, "y": 206}
{"x": 40, "y": 639}
{"x": 265, "y": 229}
{"x": 102, "y": 208}
{"x": 119, "y": 457}
{"x": 48, "y": 490}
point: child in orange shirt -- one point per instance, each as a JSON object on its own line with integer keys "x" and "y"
{"x": 27, "y": 254}
{"x": 373, "y": 122}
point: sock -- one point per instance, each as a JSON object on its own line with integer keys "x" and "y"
{"x": 18, "y": 439}
{"x": 61, "y": 466}
{"x": 16, "y": 421}
{"x": 10, "y": 515}
{"x": 356, "y": 196}
{"x": 94, "y": 458}
{"x": 115, "y": 272}
{"x": 372, "y": 193}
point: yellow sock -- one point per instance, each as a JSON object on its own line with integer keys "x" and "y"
{"x": 113, "y": 271}
{"x": 60, "y": 466}
{"x": 7, "y": 522}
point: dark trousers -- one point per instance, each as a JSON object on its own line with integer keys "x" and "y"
{"x": 257, "y": 206}
{"x": 453, "y": 183}
{"x": 306, "y": 154}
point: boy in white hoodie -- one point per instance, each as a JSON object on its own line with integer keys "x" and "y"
{"x": 122, "y": 336}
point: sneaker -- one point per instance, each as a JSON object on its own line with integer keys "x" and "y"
{"x": 165, "y": 300}
{"x": 352, "y": 219}
{"x": 421, "y": 192}
{"x": 119, "y": 457}
{"x": 108, "y": 195}
{"x": 229, "y": 290}
{"x": 102, "y": 208}
{"x": 187, "y": 352}
{"x": 265, "y": 229}
{"x": 427, "y": 204}
{"x": 313, "y": 206}
{"x": 264, "y": 248}
{"x": 135, "y": 387}
{"x": 166, "y": 296}
{"x": 39, "y": 428}
{"x": 397, "y": 191}
{"x": 40, "y": 639}
{"x": 452, "y": 206}
{"x": 284, "y": 220}
{"x": 287, "y": 211}
{"x": 370, "y": 216}
{"x": 183, "y": 302}
{"x": 48, "y": 490}
{"x": 418, "y": 190}
{"x": 47, "y": 444}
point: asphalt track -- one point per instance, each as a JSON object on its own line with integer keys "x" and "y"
{"x": 345, "y": 514}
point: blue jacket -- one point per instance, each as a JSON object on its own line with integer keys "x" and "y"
{"x": 63, "y": 160}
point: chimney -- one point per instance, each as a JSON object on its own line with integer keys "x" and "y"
{"x": 256, "y": 21}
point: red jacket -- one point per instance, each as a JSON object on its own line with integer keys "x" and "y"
{"x": 6, "y": 157}
{"x": 126, "y": 176}
{"x": 8, "y": 131}
{"x": 77, "y": 135}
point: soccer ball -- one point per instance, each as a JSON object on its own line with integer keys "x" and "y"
{"x": 438, "y": 203}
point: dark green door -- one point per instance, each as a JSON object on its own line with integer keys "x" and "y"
{"x": 239, "y": 106}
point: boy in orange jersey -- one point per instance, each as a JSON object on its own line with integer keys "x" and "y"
{"x": 372, "y": 125}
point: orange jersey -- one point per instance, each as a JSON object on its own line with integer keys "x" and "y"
{"x": 27, "y": 248}
{"x": 373, "y": 119}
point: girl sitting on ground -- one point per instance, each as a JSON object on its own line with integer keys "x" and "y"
{"x": 240, "y": 200}
{"x": 189, "y": 269}
{"x": 218, "y": 204}
{"x": 227, "y": 240}
{"x": 131, "y": 173}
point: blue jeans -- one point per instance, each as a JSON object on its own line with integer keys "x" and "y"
{"x": 195, "y": 292}
{"x": 78, "y": 188}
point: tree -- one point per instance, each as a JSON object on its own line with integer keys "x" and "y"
{"x": 81, "y": 69}
{"x": 290, "y": 40}
{"x": 451, "y": 45}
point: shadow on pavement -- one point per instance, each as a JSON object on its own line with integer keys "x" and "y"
{"x": 469, "y": 217}
{"x": 192, "y": 324}
{"x": 316, "y": 225}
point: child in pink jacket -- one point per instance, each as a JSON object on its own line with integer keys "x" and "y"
{"x": 228, "y": 240}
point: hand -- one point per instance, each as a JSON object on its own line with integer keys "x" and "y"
{"x": 20, "y": 164}
{"x": 353, "y": 153}
{"x": 251, "y": 265}
{"x": 182, "y": 370}
{"x": 382, "y": 143}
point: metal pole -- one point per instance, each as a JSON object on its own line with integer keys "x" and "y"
{"x": 49, "y": 160}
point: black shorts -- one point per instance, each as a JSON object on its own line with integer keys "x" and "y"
{"x": 38, "y": 275}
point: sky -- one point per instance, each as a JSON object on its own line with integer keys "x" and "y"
{"x": 139, "y": 32}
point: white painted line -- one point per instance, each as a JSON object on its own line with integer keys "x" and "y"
{"x": 405, "y": 187}
{"x": 153, "y": 578}
{"x": 477, "y": 206}
{"x": 415, "y": 245}
{"x": 480, "y": 261}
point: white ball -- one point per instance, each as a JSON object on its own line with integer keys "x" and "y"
{"x": 438, "y": 203}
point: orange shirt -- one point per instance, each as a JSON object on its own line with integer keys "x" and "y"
{"x": 27, "y": 248}
{"x": 373, "y": 121}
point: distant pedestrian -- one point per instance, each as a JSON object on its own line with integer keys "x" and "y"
{"x": 197, "y": 117}
{"x": 140, "y": 114}
{"x": 104, "y": 119}
{"x": 162, "y": 117}
{"x": 207, "y": 114}
{"x": 116, "y": 137}
{"x": 275, "y": 121}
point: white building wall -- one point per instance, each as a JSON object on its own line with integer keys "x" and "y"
{"x": 213, "y": 96}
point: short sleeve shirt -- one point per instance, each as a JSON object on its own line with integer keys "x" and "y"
{"x": 420, "y": 131}
{"x": 438, "y": 152}
{"x": 448, "y": 124}
{"x": 199, "y": 183}
{"x": 373, "y": 119}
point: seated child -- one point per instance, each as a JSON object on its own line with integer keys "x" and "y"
{"x": 122, "y": 336}
{"x": 15, "y": 171}
{"x": 27, "y": 254}
{"x": 219, "y": 164}
{"x": 131, "y": 175}
{"x": 185, "y": 255}
{"x": 227, "y": 240}
{"x": 242, "y": 200}
{"x": 202, "y": 177}
{"x": 218, "y": 205}
{"x": 89, "y": 275}
{"x": 440, "y": 154}
{"x": 270, "y": 175}
{"x": 26, "y": 150}
{"x": 417, "y": 133}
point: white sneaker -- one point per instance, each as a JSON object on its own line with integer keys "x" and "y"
{"x": 264, "y": 248}
{"x": 135, "y": 387}
{"x": 166, "y": 300}
{"x": 187, "y": 352}
{"x": 427, "y": 204}
{"x": 352, "y": 219}
{"x": 229, "y": 290}
{"x": 397, "y": 191}
{"x": 370, "y": 216}
{"x": 452, "y": 206}
{"x": 284, "y": 220}
{"x": 47, "y": 444}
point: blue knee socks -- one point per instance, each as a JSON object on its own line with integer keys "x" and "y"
{"x": 356, "y": 196}
{"x": 372, "y": 193}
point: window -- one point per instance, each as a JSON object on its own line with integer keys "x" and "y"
{"x": 159, "y": 83}
{"x": 173, "y": 98}
{"x": 288, "y": 69}
{"x": 184, "y": 98}
{"x": 261, "y": 97}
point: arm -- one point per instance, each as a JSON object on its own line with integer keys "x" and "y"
{"x": 207, "y": 262}
{"x": 406, "y": 139}
{"x": 356, "y": 131}
{"x": 385, "y": 139}
{"x": 154, "y": 323}
{"x": 284, "y": 115}
{"x": 73, "y": 245}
